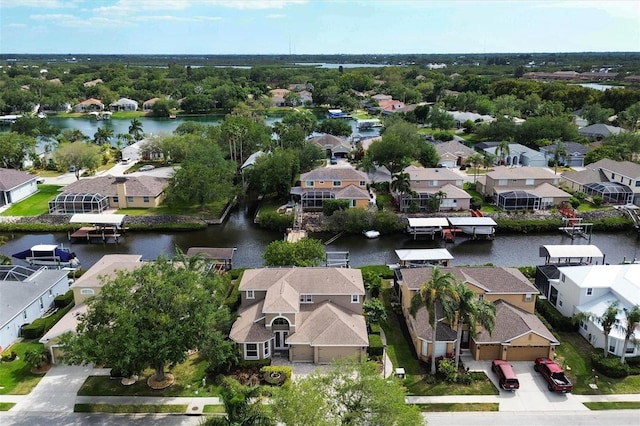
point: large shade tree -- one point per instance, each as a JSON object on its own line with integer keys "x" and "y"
{"x": 352, "y": 393}
{"x": 79, "y": 155}
{"x": 305, "y": 252}
{"x": 439, "y": 293}
{"x": 15, "y": 149}
{"x": 149, "y": 317}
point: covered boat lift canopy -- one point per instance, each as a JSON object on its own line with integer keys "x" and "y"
{"x": 103, "y": 226}
{"x": 426, "y": 225}
{"x": 566, "y": 254}
{"x": 99, "y": 219}
{"x": 221, "y": 257}
{"x": 475, "y": 226}
{"x": 423, "y": 257}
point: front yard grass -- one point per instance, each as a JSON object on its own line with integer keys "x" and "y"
{"x": 6, "y": 406}
{"x": 214, "y": 409}
{"x": 130, "y": 408}
{"x": 457, "y": 407}
{"x": 619, "y": 405}
{"x": 188, "y": 376}
{"x": 36, "y": 204}
{"x": 16, "y": 377}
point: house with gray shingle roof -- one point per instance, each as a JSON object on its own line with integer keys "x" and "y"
{"x": 16, "y": 185}
{"x": 333, "y": 145}
{"x": 518, "y": 334}
{"x": 599, "y": 131}
{"x": 324, "y": 183}
{"x": 425, "y": 183}
{"x": 452, "y": 153}
{"x": 617, "y": 182}
{"x": 574, "y": 157}
{"x": 121, "y": 191}
{"x": 305, "y": 314}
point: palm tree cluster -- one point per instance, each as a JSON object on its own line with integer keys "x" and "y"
{"x": 458, "y": 305}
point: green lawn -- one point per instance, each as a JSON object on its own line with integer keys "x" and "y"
{"x": 457, "y": 407}
{"x": 188, "y": 383}
{"x": 6, "y": 406}
{"x": 214, "y": 409}
{"x": 36, "y": 204}
{"x": 129, "y": 408}
{"x": 620, "y": 405}
{"x": 15, "y": 376}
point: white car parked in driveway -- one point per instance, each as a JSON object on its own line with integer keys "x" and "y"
{"x": 146, "y": 168}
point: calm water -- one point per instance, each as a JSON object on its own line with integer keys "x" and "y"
{"x": 239, "y": 231}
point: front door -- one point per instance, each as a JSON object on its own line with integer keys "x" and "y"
{"x": 281, "y": 339}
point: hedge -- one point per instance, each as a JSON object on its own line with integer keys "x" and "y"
{"x": 375, "y": 328}
{"x": 275, "y": 221}
{"x": 382, "y": 271}
{"x": 376, "y": 348}
{"x": 555, "y": 318}
{"x": 40, "y": 326}
{"x": 609, "y": 366}
{"x": 63, "y": 300}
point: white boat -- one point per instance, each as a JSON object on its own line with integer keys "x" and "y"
{"x": 371, "y": 234}
{"x": 49, "y": 255}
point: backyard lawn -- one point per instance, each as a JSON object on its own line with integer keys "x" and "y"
{"x": 15, "y": 376}
{"x": 36, "y": 204}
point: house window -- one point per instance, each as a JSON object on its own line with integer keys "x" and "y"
{"x": 631, "y": 348}
{"x": 613, "y": 175}
{"x": 129, "y": 199}
{"x": 337, "y": 183}
{"x": 637, "y": 183}
{"x": 50, "y": 292}
{"x": 250, "y": 294}
{"x": 612, "y": 348}
{"x": 309, "y": 183}
{"x": 24, "y": 314}
{"x": 529, "y": 182}
{"x": 433, "y": 183}
{"x": 115, "y": 199}
{"x": 362, "y": 183}
{"x": 589, "y": 291}
{"x": 583, "y": 325}
{"x": 355, "y": 298}
{"x": 502, "y": 182}
{"x": 41, "y": 304}
{"x": 559, "y": 302}
{"x": 145, "y": 199}
{"x": 87, "y": 291}
{"x": 528, "y": 297}
{"x": 481, "y": 296}
{"x": 306, "y": 298}
{"x": 562, "y": 278}
{"x": 267, "y": 346}
{"x": 251, "y": 351}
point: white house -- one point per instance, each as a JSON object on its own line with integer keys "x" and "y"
{"x": 16, "y": 185}
{"x": 124, "y": 104}
{"x": 26, "y": 294}
{"x": 592, "y": 288}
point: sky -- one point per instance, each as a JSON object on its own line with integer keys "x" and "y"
{"x": 211, "y": 27}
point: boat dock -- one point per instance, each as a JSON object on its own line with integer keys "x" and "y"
{"x": 91, "y": 233}
{"x": 430, "y": 226}
{"x": 293, "y": 236}
{"x": 103, "y": 227}
{"x": 416, "y": 258}
{"x": 476, "y": 227}
{"x": 220, "y": 259}
{"x": 575, "y": 228}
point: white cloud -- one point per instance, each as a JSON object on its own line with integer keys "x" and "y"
{"x": 619, "y": 9}
{"x": 254, "y": 4}
{"x": 172, "y": 18}
{"x": 51, "y": 17}
{"x": 130, "y": 6}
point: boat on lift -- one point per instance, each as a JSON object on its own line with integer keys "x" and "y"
{"x": 49, "y": 255}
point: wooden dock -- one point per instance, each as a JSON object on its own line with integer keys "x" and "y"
{"x": 90, "y": 233}
{"x": 293, "y": 236}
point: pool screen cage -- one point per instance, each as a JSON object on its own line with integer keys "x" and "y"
{"x": 611, "y": 192}
{"x": 518, "y": 200}
{"x": 79, "y": 203}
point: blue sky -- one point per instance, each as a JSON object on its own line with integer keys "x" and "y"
{"x": 316, "y": 26}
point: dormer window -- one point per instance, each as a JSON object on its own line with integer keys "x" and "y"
{"x": 355, "y": 298}
{"x": 306, "y": 298}
{"x": 250, "y": 294}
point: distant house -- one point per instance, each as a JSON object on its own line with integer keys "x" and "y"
{"x": 519, "y": 155}
{"x": 89, "y": 105}
{"x": 16, "y": 185}
{"x": 452, "y": 153}
{"x": 426, "y": 183}
{"x": 26, "y": 294}
{"x": 124, "y": 104}
{"x": 616, "y": 182}
{"x": 251, "y": 161}
{"x": 88, "y": 285}
{"x": 575, "y": 153}
{"x": 518, "y": 334}
{"x": 304, "y": 314}
{"x": 110, "y": 192}
{"x": 148, "y": 105}
{"x": 92, "y": 82}
{"x": 333, "y": 145}
{"x": 306, "y": 97}
{"x": 277, "y": 97}
{"x": 599, "y": 131}
{"x": 461, "y": 116}
{"x": 328, "y": 183}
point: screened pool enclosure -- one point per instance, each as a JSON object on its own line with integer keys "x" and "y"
{"x": 79, "y": 203}
{"x": 611, "y": 192}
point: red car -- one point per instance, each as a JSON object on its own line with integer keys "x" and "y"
{"x": 507, "y": 379}
{"x": 553, "y": 374}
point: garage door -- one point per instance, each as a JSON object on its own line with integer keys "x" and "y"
{"x": 526, "y": 353}
{"x": 489, "y": 351}
{"x": 301, "y": 353}
{"x": 328, "y": 354}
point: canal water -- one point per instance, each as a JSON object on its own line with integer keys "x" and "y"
{"x": 240, "y": 232}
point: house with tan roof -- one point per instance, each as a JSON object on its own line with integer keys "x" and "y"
{"x": 427, "y": 183}
{"x": 148, "y": 105}
{"x": 16, "y": 185}
{"x": 327, "y": 183}
{"x": 277, "y": 97}
{"x": 333, "y": 145}
{"x": 92, "y": 83}
{"x": 89, "y": 105}
{"x": 518, "y": 334}
{"x": 617, "y": 182}
{"x": 112, "y": 191}
{"x": 304, "y": 314}
{"x": 88, "y": 285}
{"x": 452, "y": 153}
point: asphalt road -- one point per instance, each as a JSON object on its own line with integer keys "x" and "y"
{"x": 525, "y": 418}
{"x": 8, "y": 418}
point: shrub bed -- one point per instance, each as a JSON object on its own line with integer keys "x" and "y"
{"x": 609, "y": 366}
{"x": 63, "y": 300}
{"x": 376, "y": 348}
{"x": 555, "y": 318}
{"x": 40, "y": 326}
{"x": 275, "y": 221}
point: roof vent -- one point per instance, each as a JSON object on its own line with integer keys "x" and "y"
{"x": 121, "y": 179}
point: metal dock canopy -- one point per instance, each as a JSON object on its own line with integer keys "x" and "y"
{"x": 427, "y": 222}
{"x": 471, "y": 221}
{"x": 424, "y": 257}
{"x": 567, "y": 253}
{"x": 99, "y": 219}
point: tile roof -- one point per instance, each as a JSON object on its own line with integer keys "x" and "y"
{"x": 140, "y": 186}
{"x": 10, "y": 178}
{"x": 327, "y": 324}
{"x": 334, "y": 173}
{"x": 108, "y": 266}
{"x": 513, "y": 322}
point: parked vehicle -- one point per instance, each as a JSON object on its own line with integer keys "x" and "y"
{"x": 333, "y": 160}
{"x": 507, "y": 378}
{"x": 146, "y": 168}
{"x": 553, "y": 374}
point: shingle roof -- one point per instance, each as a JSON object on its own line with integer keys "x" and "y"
{"x": 600, "y": 129}
{"x": 504, "y": 172}
{"x": 513, "y": 322}
{"x": 10, "y": 178}
{"x": 452, "y": 191}
{"x": 281, "y": 298}
{"x": 334, "y": 173}
{"x": 107, "y": 266}
{"x": 352, "y": 192}
{"x": 453, "y": 147}
{"x": 330, "y": 140}
{"x": 249, "y": 326}
{"x": 338, "y": 281}
{"x": 626, "y": 168}
{"x": 423, "y": 173}
{"x": 140, "y": 186}
{"x": 423, "y": 329}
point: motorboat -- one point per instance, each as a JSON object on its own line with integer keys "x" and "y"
{"x": 49, "y": 255}
{"x": 371, "y": 234}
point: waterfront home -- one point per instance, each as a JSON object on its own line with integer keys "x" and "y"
{"x": 333, "y": 146}
{"x": 575, "y": 153}
{"x": 26, "y": 294}
{"x": 593, "y": 288}
{"x": 89, "y": 105}
{"x": 16, "y": 185}
{"x": 426, "y": 183}
{"x": 106, "y": 192}
{"x": 518, "y": 334}
{"x": 616, "y": 182}
{"x": 277, "y": 97}
{"x": 514, "y": 178}
{"x": 302, "y": 314}
{"x": 124, "y": 104}
{"x": 326, "y": 183}
{"x": 148, "y": 105}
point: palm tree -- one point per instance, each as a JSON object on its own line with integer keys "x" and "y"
{"x": 607, "y": 321}
{"x": 439, "y": 291}
{"x": 488, "y": 160}
{"x": 558, "y": 153}
{"x": 475, "y": 160}
{"x": 135, "y": 129}
{"x": 401, "y": 183}
{"x": 103, "y": 136}
{"x": 632, "y": 322}
{"x": 243, "y": 406}
{"x": 472, "y": 311}
{"x": 503, "y": 151}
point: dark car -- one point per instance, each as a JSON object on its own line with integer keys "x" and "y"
{"x": 507, "y": 379}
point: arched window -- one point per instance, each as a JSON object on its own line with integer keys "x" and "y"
{"x": 280, "y": 321}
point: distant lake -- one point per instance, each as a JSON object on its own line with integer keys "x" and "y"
{"x": 598, "y": 86}
{"x": 336, "y": 66}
